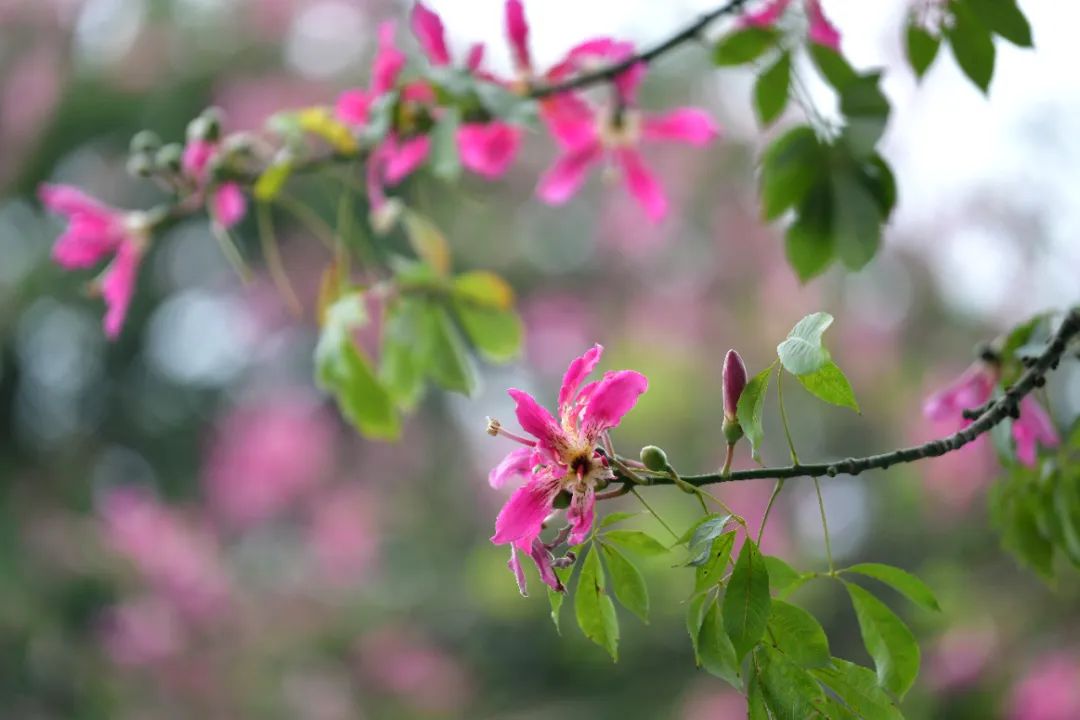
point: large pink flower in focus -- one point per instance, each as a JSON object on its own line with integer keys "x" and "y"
{"x": 94, "y": 232}
{"x": 820, "y": 30}
{"x": 563, "y": 457}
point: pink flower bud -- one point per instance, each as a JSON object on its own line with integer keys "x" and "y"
{"x": 734, "y": 378}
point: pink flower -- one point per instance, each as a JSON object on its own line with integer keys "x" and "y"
{"x": 428, "y": 29}
{"x": 820, "y": 30}
{"x": 972, "y": 389}
{"x": 427, "y": 677}
{"x": 1033, "y": 428}
{"x": 342, "y": 535}
{"x": 563, "y": 457}
{"x": 766, "y": 16}
{"x": 352, "y": 106}
{"x": 487, "y": 149}
{"x": 517, "y": 32}
{"x": 227, "y": 205}
{"x": 1050, "y": 691}
{"x": 94, "y": 232}
{"x": 586, "y": 139}
{"x": 733, "y": 377}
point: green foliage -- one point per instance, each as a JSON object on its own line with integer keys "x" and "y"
{"x": 858, "y": 688}
{"x": 783, "y": 579}
{"x": 743, "y": 46}
{"x": 798, "y": 635}
{"x": 746, "y": 601}
{"x": 556, "y": 598}
{"x": 771, "y": 90}
{"x": 902, "y": 581}
{"x": 791, "y": 693}
{"x": 696, "y": 607}
{"x": 484, "y": 304}
{"x": 921, "y": 46}
{"x": 972, "y": 44}
{"x": 708, "y": 573}
{"x": 1004, "y": 18}
{"x": 628, "y": 583}
{"x": 715, "y": 650}
{"x": 789, "y": 168}
{"x": 272, "y": 181}
{"x": 636, "y": 540}
{"x": 888, "y": 640}
{"x": 618, "y": 517}
{"x": 831, "y": 385}
{"x": 750, "y": 409}
{"x": 802, "y": 351}
{"x": 593, "y": 607}
{"x": 444, "y": 161}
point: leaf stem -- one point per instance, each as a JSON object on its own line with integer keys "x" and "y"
{"x": 783, "y": 414}
{"x": 824, "y": 526}
{"x": 653, "y": 512}
{"x": 768, "y": 508}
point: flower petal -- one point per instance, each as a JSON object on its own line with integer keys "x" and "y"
{"x": 352, "y": 107}
{"x": 563, "y": 179}
{"x": 403, "y": 158}
{"x": 613, "y": 397}
{"x": 388, "y": 60}
{"x": 475, "y": 58}
{"x": 487, "y": 149}
{"x": 581, "y": 514}
{"x": 68, "y": 200}
{"x": 517, "y": 32}
{"x": 767, "y": 16}
{"x": 522, "y": 517}
{"x": 821, "y": 30}
{"x": 642, "y": 184}
{"x": 535, "y": 419}
{"x": 570, "y": 120}
{"x": 519, "y": 462}
{"x": 118, "y": 286}
{"x": 689, "y": 125}
{"x": 519, "y": 572}
{"x": 1038, "y": 422}
{"x": 87, "y": 240}
{"x": 579, "y": 369}
{"x": 542, "y": 557}
{"x": 970, "y": 390}
{"x": 428, "y": 28}
{"x": 197, "y": 155}
{"x": 229, "y": 204}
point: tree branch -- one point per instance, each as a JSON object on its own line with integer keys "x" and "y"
{"x": 995, "y": 412}
{"x": 690, "y": 32}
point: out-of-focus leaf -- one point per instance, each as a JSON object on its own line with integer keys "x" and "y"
{"x": 802, "y": 351}
{"x": 402, "y": 365}
{"x": 427, "y": 241}
{"x": 445, "y": 161}
{"x": 618, "y": 517}
{"x": 1005, "y": 18}
{"x": 746, "y": 601}
{"x": 750, "y": 408}
{"x": 771, "y": 90}
{"x": 484, "y": 288}
{"x": 829, "y": 383}
{"x": 867, "y": 111}
{"x": 496, "y": 334}
{"x": 273, "y": 179}
{"x": 809, "y": 242}
{"x": 798, "y": 635}
{"x": 856, "y": 219}
{"x": 715, "y": 649}
{"x": 833, "y": 66}
{"x": 696, "y": 607}
{"x": 448, "y": 363}
{"x": 876, "y": 176}
{"x": 594, "y": 609}
{"x": 320, "y": 121}
{"x": 789, "y": 168}
{"x": 858, "y": 688}
{"x": 888, "y": 640}
{"x": 922, "y": 48}
{"x": 790, "y": 692}
{"x": 972, "y": 45}
{"x": 628, "y": 582}
{"x": 902, "y": 581}
{"x": 743, "y": 46}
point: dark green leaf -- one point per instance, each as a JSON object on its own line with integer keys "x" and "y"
{"x": 972, "y": 45}
{"x": 1005, "y": 18}
{"x": 771, "y": 90}
{"x": 833, "y": 66}
{"x": 791, "y": 693}
{"x": 858, "y": 688}
{"x": 556, "y": 598}
{"x": 636, "y": 540}
{"x": 746, "y": 601}
{"x": 829, "y": 384}
{"x": 1014, "y": 515}
{"x": 876, "y": 176}
{"x": 802, "y": 351}
{"x": 789, "y": 168}
{"x": 711, "y": 571}
{"x": 888, "y": 640}
{"x": 750, "y": 407}
{"x": 902, "y": 581}
{"x": 696, "y": 607}
{"x": 867, "y": 111}
{"x": 744, "y": 45}
{"x": 715, "y": 648}
{"x": 856, "y": 220}
{"x": 922, "y": 48}
{"x": 809, "y": 243}
{"x": 628, "y": 583}
{"x": 798, "y": 635}
{"x": 594, "y": 609}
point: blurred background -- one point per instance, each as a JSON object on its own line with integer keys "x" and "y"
{"x": 188, "y": 529}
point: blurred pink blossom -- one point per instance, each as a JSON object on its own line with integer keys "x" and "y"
{"x": 714, "y": 704}
{"x": 960, "y": 657}
{"x": 265, "y": 456}
{"x": 141, "y": 631}
{"x": 820, "y": 30}
{"x": 556, "y": 326}
{"x": 343, "y": 534}
{"x": 421, "y": 674}
{"x": 1049, "y": 691}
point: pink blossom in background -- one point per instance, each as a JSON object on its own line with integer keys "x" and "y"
{"x": 766, "y": 14}
{"x": 427, "y": 26}
{"x": 819, "y": 30}
{"x": 343, "y": 535}
{"x": 249, "y": 101}
{"x": 1034, "y": 427}
{"x": 1049, "y": 691}
{"x": 714, "y": 702}
{"x": 488, "y": 149}
{"x": 970, "y": 390}
{"x": 142, "y": 631}
{"x": 556, "y": 325}
{"x": 960, "y": 658}
{"x": 563, "y": 457}
{"x": 178, "y": 558}
{"x": 30, "y": 91}
{"x": 517, "y": 34}
{"x": 227, "y": 204}
{"x": 423, "y": 675}
{"x": 265, "y": 456}
{"x": 94, "y": 232}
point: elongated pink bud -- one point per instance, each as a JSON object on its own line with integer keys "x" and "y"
{"x": 734, "y": 378}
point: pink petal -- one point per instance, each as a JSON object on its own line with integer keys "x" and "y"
{"x": 87, "y": 240}
{"x": 229, "y": 204}
{"x": 488, "y": 149}
{"x": 570, "y": 120}
{"x": 600, "y": 52}
{"x": 196, "y": 158}
{"x": 641, "y": 183}
{"x": 579, "y": 369}
{"x": 522, "y": 517}
{"x": 613, "y": 397}
{"x": 970, "y": 390}
{"x": 428, "y": 29}
{"x": 518, "y": 463}
{"x": 418, "y": 91}
{"x": 767, "y": 16}
{"x": 542, "y": 557}
{"x": 535, "y": 419}
{"x": 475, "y": 58}
{"x": 68, "y": 200}
{"x": 517, "y": 32}
{"x": 519, "y": 572}
{"x": 118, "y": 287}
{"x": 821, "y": 31}
{"x": 352, "y": 107}
{"x": 689, "y": 125}
{"x": 405, "y": 157}
{"x": 1038, "y": 422}
{"x": 563, "y": 179}
{"x": 388, "y": 61}
{"x": 580, "y": 515}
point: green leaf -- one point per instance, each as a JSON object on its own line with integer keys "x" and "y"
{"x": 746, "y": 601}
{"x": 867, "y": 111}
{"x": 856, "y": 220}
{"x": 809, "y": 242}
{"x": 783, "y": 579}
{"x": 888, "y": 640}
{"x": 484, "y": 289}
{"x": 750, "y": 407}
{"x": 1020, "y": 535}
{"x": 427, "y": 241}
{"x": 972, "y": 45}
{"x": 715, "y": 649}
{"x": 496, "y": 334}
{"x": 802, "y": 351}
{"x": 756, "y": 709}
{"x": 711, "y": 571}
{"x": 790, "y": 166}
{"x": 743, "y": 46}
{"x": 594, "y": 609}
{"x": 448, "y": 362}
{"x": 833, "y": 66}
{"x": 771, "y": 90}
{"x": 445, "y": 163}
{"x": 1004, "y": 18}
{"x": 628, "y": 583}
{"x": 636, "y": 540}
{"x": 829, "y": 384}
{"x": 695, "y": 616}
{"x": 342, "y": 369}
{"x": 401, "y": 367}
{"x": 922, "y": 48}
{"x": 876, "y": 176}
{"x": 902, "y": 581}
{"x": 858, "y": 688}
{"x": 798, "y": 635}
{"x": 791, "y": 693}
{"x": 556, "y": 598}
{"x": 704, "y": 530}
{"x": 618, "y": 517}
{"x": 273, "y": 179}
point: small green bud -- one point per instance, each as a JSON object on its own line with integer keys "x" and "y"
{"x": 206, "y": 126}
{"x": 732, "y": 430}
{"x": 562, "y": 500}
{"x": 654, "y": 458}
{"x": 144, "y": 142}
{"x": 140, "y": 165}
{"x": 168, "y": 157}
